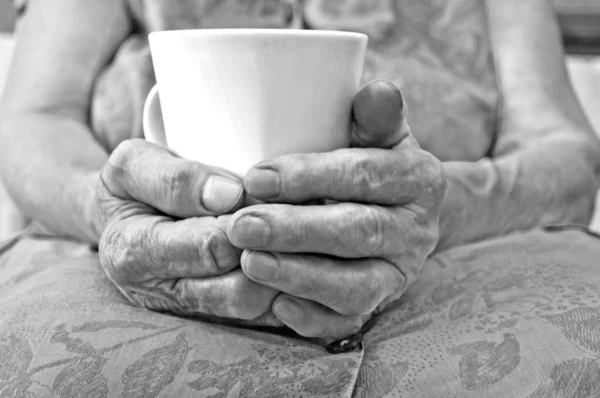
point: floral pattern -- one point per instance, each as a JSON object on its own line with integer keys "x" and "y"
{"x": 576, "y": 378}
{"x": 493, "y": 317}
{"x": 581, "y": 326}
{"x": 517, "y": 314}
{"x": 483, "y": 362}
{"x": 70, "y": 334}
{"x": 283, "y": 369}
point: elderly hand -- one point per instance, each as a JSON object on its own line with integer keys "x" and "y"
{"x": 162, "y": 245}
{"x": 337, "y": 264}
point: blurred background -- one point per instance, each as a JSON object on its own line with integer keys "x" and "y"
{"x": 580, "y": 25}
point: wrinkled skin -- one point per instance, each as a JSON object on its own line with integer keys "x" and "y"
{"x": 161, "y": 245}
{"x": 341, "y": 263}
{"x": 169, "y": 244}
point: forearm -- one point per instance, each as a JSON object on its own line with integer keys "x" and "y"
{"x": 50, "y": 170}
{"x": 551, "y": 182}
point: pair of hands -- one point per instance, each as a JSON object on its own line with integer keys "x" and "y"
{"x": 175, "y": 232}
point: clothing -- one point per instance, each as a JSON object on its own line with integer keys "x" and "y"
{"x": 517, "y": 316}
{"x": 438, "y": 53}
{"x": 511, "y": 316}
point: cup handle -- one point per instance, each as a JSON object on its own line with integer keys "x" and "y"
{"x": 152, "y": 119}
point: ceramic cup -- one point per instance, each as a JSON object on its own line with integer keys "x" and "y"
{"x": 233, "y": 97}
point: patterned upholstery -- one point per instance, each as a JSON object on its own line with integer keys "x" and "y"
{"x": 513, "y": 317}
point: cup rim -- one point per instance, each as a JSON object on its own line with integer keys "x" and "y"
{"x": 259, "y": 32}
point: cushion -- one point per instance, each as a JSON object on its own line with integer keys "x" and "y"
{"x": 517, "y": 315}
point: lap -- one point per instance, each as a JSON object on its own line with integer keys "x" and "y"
{"x": 514, "y": 316}
{"x": 65, "y": 331}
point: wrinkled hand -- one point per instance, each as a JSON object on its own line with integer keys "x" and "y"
{"x": 162, "y": 245}
{"x": 337, "y": 264}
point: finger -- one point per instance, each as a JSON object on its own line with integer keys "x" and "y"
{"x": 356, "y": 175}
{"x": 147, "y": 173}
{"x": 354, "y": 287}
{"x": 344, "y": 230}
{"x": 145, "y": 249}
{"x": 310, "y": 319}
{"x": 231, "y": 295}
{"x": 379, "y": 114}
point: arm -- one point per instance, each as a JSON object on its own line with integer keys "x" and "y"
{"x": 153, "y": 215}
{"x": 545, "y": 165}
{"x": 52, "y": 163}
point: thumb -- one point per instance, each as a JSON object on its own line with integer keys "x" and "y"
{"x": 379, "y": 116}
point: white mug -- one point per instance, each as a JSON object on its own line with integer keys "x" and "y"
{"x": 233, "y": 97}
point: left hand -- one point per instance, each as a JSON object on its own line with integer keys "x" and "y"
{"x": 340, "y": 263}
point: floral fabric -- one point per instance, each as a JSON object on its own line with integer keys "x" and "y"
{"x": 517, "y": 316}
{"x": 65, "y": 331}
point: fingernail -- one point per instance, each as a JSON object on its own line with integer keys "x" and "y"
{"x": 378, "y": 111}
{"x": 287, "y": 310}
{"x": 261, "y": 266}
{"x": 221, "y": 194}
{"x": 250, "y": 232}
{"x": 262, "y": 183}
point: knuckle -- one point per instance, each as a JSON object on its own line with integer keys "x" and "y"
{"x": 365, "y": 299}
{"x": 117, "y": 166}
{"x": 232, "y": 296}
{"x": 127, "y": 252}
{"x": 110, "y": 177}
{"x": 181, "y": 296}
{"x": 215, "y": 252}
{"x": 363, "y": 173}
{"x": 107, "y": 210}
{"x": 373, "y": 294}
{"x": 124, "y": 152}
{"x": 425, "y": 238}
{"x": 433, "y": 178}
{"x": 116, "y": 254}
{"x": 176, "y": 184}
{"x": 128, "y": 262}
{"x": 367, "y": 232}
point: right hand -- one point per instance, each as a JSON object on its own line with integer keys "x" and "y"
{"x": 163, "y": 241}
